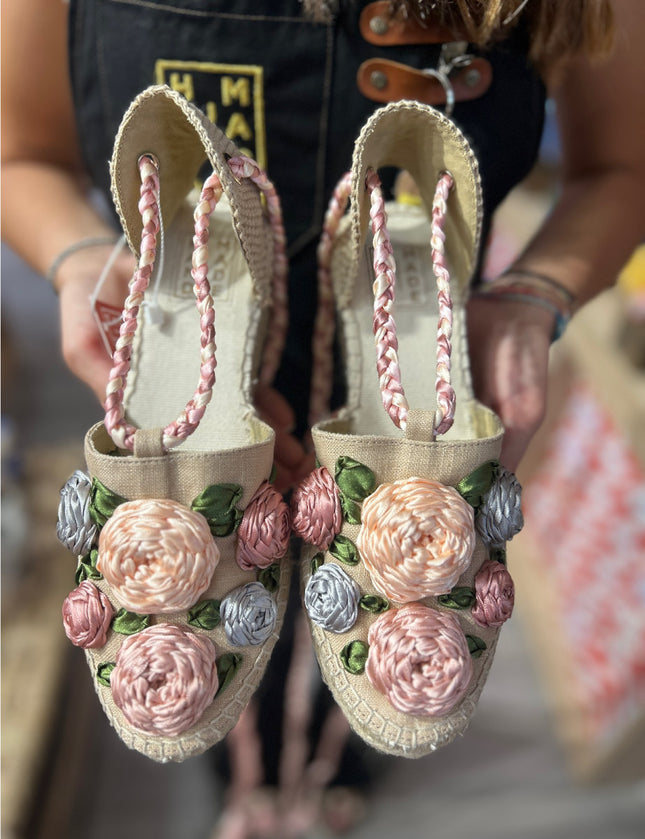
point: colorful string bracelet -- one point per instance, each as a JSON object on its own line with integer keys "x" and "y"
{"x": 525, "y": 286}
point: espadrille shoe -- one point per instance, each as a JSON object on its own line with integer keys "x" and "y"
{"x": 182, "y": 541}
{"x": 406, "y": 516}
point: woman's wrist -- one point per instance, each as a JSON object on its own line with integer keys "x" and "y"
{"x": 78, "y": 253}
{"x": 524, "y": 286}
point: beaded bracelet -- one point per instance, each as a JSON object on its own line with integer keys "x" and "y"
{"x": 526, "y": 286}
{"x": 90, "y": 242}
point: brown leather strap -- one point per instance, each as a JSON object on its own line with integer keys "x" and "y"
{"x": 379, "y": 27}
{"x": 382, "y": 80}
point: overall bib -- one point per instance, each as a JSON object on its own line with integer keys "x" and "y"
{"x": 285, "y": 89}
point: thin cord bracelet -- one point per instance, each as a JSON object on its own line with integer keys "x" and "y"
{"x": 541, "y": 278}
{"x": 90, "y": 242}
{"x": 561, "y": 318}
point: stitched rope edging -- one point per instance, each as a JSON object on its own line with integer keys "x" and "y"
{"x": 323, "y": 332}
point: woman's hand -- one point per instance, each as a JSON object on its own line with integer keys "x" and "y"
{"x": 292, "y": 460}
{"x": 83, "y": 348}
{"x": 509, "y": 352}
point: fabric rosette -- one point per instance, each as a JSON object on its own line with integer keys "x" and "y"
{"x": 75, "y": 527}
{"x": 317, "y": 514}
{"x": 417, "y": 538}
{"x": 263, "y": 534}
{"x": 495, "y": 595}
{"x": 419, "y": 659}
{"x": 157, "y": 555}
{"x": 87, "y": 615}
{"x": 499, "y": 516}
{"x": 165, "y": 678}
{"x": 331, "y": 598}
{"x": 249, "y": 615}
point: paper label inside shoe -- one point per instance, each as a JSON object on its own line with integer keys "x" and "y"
{"x": 415, "y": 284}
{"x": 222, "y": 250}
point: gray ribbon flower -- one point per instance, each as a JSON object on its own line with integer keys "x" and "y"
{"x": 331, "y": 598}
{"x": 75, "y": 528}
{"x": 499, "y": 517}
{"x": 248, "y": 615}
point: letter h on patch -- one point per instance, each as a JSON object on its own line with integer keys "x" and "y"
{"x": 231, "y": 96}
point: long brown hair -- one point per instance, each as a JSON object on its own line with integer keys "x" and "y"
{"x": 558, "y": 29}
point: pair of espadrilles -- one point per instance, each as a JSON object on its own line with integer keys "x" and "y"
{"x": 182, "y": 541}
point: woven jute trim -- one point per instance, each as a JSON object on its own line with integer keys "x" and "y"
{"x": 423, "y": 141}
{"x": 368, "y": 712}
{"x": 164, "y": 124}
{"x": 182, "y": 476}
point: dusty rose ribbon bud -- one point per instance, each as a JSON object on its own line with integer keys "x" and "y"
{"x": 75, "y": 527}
{"x": 331, "y": 598}
{"x": 417, "y": 538}
{"x": 263, "y": 534}
{"x": 317, "y": 515}
{"x": 87, "y": 614}
{"x": 495, "y": 595}
{"x": 419, "y": 659}
{"x": 157, "y": 555}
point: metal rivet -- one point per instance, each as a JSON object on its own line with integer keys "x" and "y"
{"x": 378, "y": 80}
{"x": 379, "y": 25}
{"x": 472, "y": 77}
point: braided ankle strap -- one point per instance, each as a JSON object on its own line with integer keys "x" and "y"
{"x": 120, "y": 430}
{"x": 384, "y": 325}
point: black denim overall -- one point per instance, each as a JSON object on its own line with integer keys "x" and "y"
{"x": 285, "y": 89}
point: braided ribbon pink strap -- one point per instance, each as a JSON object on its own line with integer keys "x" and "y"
{"x": 121, "y": 431}
{"x": 322, "y": 359}
{"x": 446, "y": 399}
{"x": 387, "y": 362}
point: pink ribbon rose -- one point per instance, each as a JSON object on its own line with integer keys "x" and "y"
{"x": 157, "y": 555}
{"x": 263, "y": 535}
{"x": 87, "y": 614}
{"x": 165, "y": 678}
{"x": 317, "y": 515}
{"x": 419, "y": 659}
{"x": 495, "y": 595}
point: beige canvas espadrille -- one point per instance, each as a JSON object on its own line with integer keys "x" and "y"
{"x": 407, "y": 513}
{"x": 183, "y": 568}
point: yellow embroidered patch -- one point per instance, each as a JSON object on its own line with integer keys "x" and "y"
{"x": 231, "y": 95}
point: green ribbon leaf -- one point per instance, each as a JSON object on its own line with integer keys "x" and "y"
{"x": 205, "y": 614}
{"x": 270, "y": 578}
{"x": 316, "y": 562}
{"x": 227, "y": 666}
{"x": 474, "y": 487}
{"x": 355, "y": 480}
{"x": 374, "y": 603}
{"x": 351, "y": 510}
{"x": 87, "y": 568}
{"x": 103, "y": 502}
{"x": 460, "y": 597}
{"x": 354, "y": 656}
{"x": 476, "y": 646}
{"x": 273, "y": 474}
{"x": 103, "y": 672}
{"x": 129, "y": 623}
{"x": 498, "y": 555}
{"x": 344, "y": 550}
{"x": 217, "y": 504}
